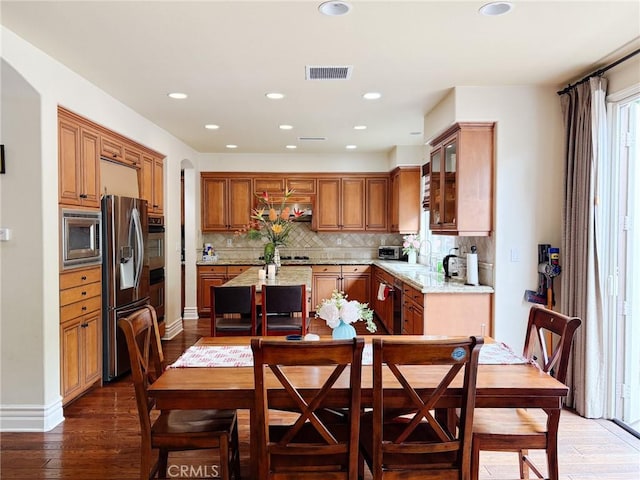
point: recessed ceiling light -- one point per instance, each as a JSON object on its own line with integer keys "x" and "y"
{"x": 360, "y": 127}
{"x": 212, "y": 126}
{"x": 286, "y": 127}
{"x": 231, "y": 145}
{"x": 372, "y": 96}
{"x": 274, "y": 95}
{"x": 495, "y": 9}
{"x": 334, "y": 9}
{"x": 177, "y": 95}
{"x": 351, "y": 147}
{"x": 291, "y": 147}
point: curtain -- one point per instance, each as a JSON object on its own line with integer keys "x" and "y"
{"x": 583, "y": 282}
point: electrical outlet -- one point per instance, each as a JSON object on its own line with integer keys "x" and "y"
{"x": 339, "y": 241}
{"x": 5, "y": 234}
{"x": 515, "y": 255}
{"x": 229, "y": 242}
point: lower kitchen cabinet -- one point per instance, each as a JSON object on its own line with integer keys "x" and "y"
{"x": 458, "y": 314}
{"x": 353, "y": 280}
{"x": 214, "y": 275}
{"x": 412, "y": 311}
{"x": 80, "y": 331}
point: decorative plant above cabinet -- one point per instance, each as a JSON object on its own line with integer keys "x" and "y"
{"x": 461, "y": 180}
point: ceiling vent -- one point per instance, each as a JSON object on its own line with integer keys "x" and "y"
{"x": 303, "y": 139}
{"x": 314, "y": 72}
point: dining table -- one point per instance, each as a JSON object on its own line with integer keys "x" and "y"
{"x": 217, "y": 372}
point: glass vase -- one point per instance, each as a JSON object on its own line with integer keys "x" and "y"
{"x": 344, "y": 331}
{"x": 269, "y": 252}
{"x": 276, "y": 258}
{"x": 412, "y": 256}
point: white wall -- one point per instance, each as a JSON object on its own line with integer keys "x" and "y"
{"x": 30, "y": 302}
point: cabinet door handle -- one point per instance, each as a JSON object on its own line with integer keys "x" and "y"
{"x": 83, "y": 195}
{"x": 84, "y": 308}
{"x": 84, "y": 293}
{"x": 84, "y": 325}
{"x": 155, "y": 206}
{"x": 84, "y": 277}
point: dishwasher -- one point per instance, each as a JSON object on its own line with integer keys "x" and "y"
{"x": 398, "y": 300}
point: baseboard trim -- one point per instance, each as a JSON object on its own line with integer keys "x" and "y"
{"x": 31, "y": 418}
{"x": 190, "y": 313}
{"x": 170, "y": 331}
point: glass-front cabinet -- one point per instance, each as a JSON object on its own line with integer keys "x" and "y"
{"x": 461, "y": 180}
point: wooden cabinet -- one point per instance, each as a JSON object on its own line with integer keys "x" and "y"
{"x": 405, "y": 200}
{"x": 341, "y": 204}
{"x": 78, "y": 154}
{"x": 213, "y": 275}
{"x": 458, "y": 314}
{"x": 377, "y": 205}
{"x": 412, "y": 311}
{"x": 80, "y": 331}
{"x": 461, "y": 180}
{"x": 111, "y": 148}
{"x": 226, "y": 202}
{"x": 383, "y": 309}
{"x": 353, "y": 280}
{"x": 151, "y": 181}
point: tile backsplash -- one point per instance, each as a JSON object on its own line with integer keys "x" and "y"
{"x": 304, "y": 241}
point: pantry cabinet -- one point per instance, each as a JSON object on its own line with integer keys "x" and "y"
{"x": 80, "y": 331}
{"x": 152, "y": 183}
{"x": 405, "y": 200}
{"x": 461, "y": 180}
{"x": 226, "y": 202}
{"x": 78, "y": 153}
{"x": 353, "y": 280}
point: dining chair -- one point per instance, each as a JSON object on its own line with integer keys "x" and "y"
{"x": 404, "y": 436}
{"x": 284, "y": 310}
{"x": 233, "y": 311}
{"x": 518, "y": 429}
{"x": 172, "y": 430}
{"x": 307, "y": 447}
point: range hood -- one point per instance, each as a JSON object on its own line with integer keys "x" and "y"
{"x": 299, "y": 203}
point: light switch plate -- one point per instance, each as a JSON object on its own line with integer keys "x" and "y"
{"x": 5, "y": 234}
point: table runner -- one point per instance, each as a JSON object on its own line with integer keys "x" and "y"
{"x": 241, "y": 356}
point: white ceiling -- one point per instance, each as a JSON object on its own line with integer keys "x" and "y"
{"x": 227, "y": 55}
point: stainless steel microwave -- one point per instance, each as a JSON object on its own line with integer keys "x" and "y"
{"x": 391, "y": 252}
{"x": 81, "y": 237}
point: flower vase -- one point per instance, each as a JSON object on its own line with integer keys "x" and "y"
{"x": 276, "y": 259}
{"x": 412, "y": 256}
{"x": 269, "y": 252}
{"x": 343, "y": 331}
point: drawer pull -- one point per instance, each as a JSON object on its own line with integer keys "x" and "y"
{"x": 84, "y": 294}
{"x": 84, "y": 308}
{"x": 84, "y": 277}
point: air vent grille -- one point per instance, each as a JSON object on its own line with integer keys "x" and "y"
{"x": 302, "y": 139}
{"x": 315, "y": 72}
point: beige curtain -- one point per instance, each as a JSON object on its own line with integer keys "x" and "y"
{"x": 582, "y": 285}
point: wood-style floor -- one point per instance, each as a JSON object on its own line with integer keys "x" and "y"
{"x": 99, "y": 440}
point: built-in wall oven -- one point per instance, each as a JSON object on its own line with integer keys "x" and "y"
{"x": 155, "y": 256}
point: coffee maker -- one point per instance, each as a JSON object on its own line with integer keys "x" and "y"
{"x": 450, "y": 264}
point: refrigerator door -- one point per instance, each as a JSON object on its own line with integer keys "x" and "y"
{"x": 126, "y": 269}
{"x": 116, "y": 355}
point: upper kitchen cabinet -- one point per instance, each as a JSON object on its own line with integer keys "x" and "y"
{"x": 151, "y": 180}
{"x": 377, "y": 204}
{"x": 405, "y": 200}
{"x": 78, "y": 178}
{"x": 461, "y": 180}
{"x": 341, "y": 204}
{"x": 226, "y": 202}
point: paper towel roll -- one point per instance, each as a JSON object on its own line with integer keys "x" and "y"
{"x": 472, "y": 269}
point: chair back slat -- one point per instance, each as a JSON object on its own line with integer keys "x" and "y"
{"x": 286, "y": 307}
{"x": 548, "y": 340}
{"x": 410, "y": 432}
{"x": 311, "y": 443}
{"x": 237, "y": 302}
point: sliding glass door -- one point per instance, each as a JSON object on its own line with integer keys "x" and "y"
{"x": 626, "y": 156}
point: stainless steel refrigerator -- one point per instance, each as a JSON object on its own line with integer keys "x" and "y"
{"x": 125, "y": 275}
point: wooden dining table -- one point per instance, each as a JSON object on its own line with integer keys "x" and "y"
{"x": 232, "y": 387}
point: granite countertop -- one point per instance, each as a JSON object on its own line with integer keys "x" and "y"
{"x": 426, "y": 280}
{"x": 417, "y": 275}
{"x": 288, "y": 275}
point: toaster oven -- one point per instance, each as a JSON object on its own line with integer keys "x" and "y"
{"x": 392, "y": 252}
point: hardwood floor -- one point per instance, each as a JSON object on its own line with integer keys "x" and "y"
{"x": 99, "y": 440}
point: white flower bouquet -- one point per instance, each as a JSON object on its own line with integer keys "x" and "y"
{"x": 333, "y": 310}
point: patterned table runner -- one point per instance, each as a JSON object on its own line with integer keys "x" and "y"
{"x": 241, "y": 356}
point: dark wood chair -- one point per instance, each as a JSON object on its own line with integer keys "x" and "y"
{"x": 172, "y": 430}
{"x": 284, "y": 310}
{"x": 404, "y": 437}
{"x": 233, "y": 311}
{"x": 310, "y": 447}
{"x": 518, "y": 429}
